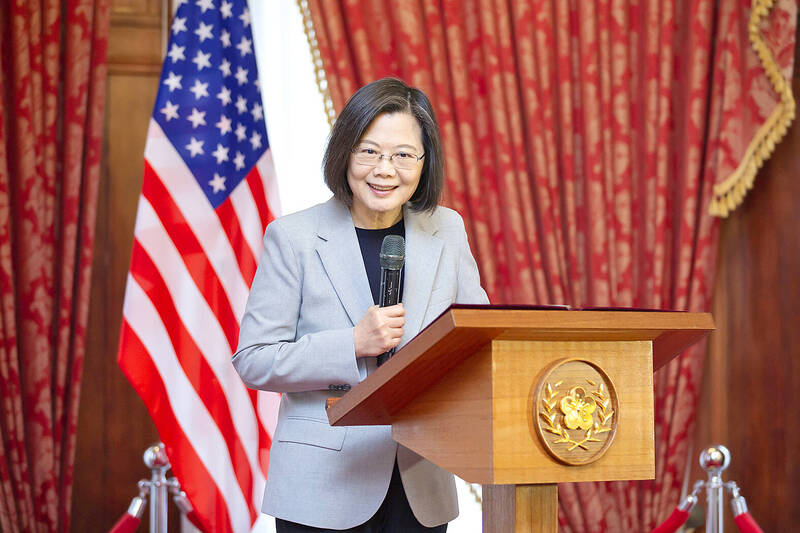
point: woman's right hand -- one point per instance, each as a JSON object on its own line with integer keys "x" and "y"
{"x": 379, "y": 330}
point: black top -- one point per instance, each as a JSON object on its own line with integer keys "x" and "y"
{"x": 370, "y": 241}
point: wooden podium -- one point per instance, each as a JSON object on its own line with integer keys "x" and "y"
{"x": 519, "y": 399}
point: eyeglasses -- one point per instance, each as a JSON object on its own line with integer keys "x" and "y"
{"x": 364, "y": 155}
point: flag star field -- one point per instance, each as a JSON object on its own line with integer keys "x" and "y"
{"x": 212, "y": 114}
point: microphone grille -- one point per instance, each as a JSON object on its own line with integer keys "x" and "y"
{"x": 393, "y": 252}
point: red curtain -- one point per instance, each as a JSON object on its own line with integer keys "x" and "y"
{"x": 53, "y": 90}
{"x": 582, "y": 142}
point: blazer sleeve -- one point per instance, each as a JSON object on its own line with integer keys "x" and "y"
{"x": 269, "y": 356}
{"x": 469, "y": 281}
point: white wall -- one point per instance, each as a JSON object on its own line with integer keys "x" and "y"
{"x": 296, "y": 124}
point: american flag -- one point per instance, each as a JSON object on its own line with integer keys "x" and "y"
{"x": 208, "y": 193}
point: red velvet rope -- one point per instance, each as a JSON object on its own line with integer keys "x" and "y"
{"x": 127, "y": 523}
{"x": 746, "y": 524}
{"x": 673, "y": 521}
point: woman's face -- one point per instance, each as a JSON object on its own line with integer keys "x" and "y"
{"x": 380, "y": 191}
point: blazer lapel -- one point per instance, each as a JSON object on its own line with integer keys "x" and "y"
{"x": 340, "y": 254}
{"x": 423, "y": 251}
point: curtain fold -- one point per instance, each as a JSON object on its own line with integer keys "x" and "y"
{"x": 53, "y": 91}
{"x": 582, "y": 144}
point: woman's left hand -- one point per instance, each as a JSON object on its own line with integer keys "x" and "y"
{"x": 379, "y": 330}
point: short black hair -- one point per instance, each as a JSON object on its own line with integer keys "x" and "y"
{"x": 387, "y": 95}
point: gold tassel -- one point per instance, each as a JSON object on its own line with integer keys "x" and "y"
{"x": 316, "y": 56}
{"x": 729, "y": 194}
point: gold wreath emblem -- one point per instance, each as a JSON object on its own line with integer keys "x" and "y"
{"x": 579, "y": 415}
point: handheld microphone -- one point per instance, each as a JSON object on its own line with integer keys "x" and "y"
{"x": 393, "y": 254}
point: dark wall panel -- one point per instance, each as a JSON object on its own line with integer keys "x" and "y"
{"x": 753, "y": 377}
{"x": 114, "y": 428}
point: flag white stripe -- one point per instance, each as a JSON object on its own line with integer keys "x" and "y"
{"x": 199, "y": 320}
{"x": 249, "y": 220}
{"x": 268, "y": 403}
{"x": 195, "y": 420}
{"x": 266, "y": 168}
{"x": 199, "y": 214}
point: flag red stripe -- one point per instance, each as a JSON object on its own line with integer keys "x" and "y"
{"x": 194, "y": 365}
{"x": 194, "y": 257}
{"x": 264, "y": 440}
{"x": 138, "y": 367}
{"x": 256, "y": 185}
{"x": 247, "y": 265}
{"x": 233, "y": 230}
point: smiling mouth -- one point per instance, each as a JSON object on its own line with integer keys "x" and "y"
{"x": 382, "y": 188}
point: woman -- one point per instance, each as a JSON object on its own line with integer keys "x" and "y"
{"x": 312, "y": 330}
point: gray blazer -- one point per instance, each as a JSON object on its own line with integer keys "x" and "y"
{"x": 296, "y": 338}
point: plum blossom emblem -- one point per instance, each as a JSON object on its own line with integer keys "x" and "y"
{"x": 587, "y": 414}
{"x": 578, "y": 409}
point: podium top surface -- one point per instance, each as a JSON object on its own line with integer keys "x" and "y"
{"x": 461, "y": 330}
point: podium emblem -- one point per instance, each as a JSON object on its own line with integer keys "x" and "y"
{"x": 575, "y": 411}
